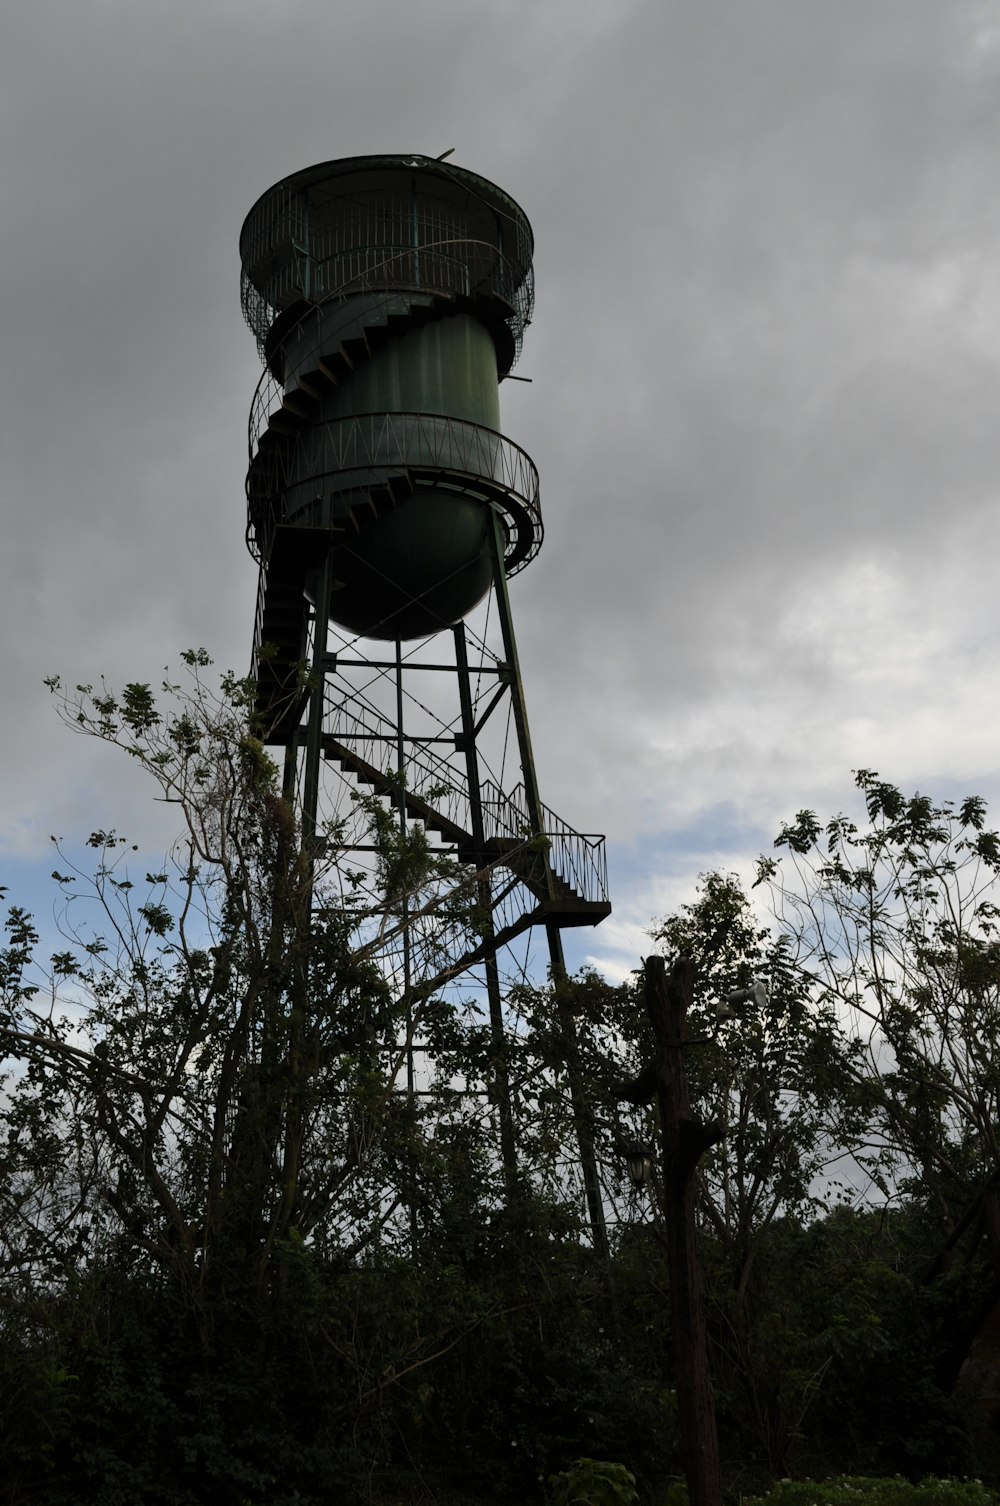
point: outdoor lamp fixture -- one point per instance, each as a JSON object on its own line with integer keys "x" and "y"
{"x": 736, "y": 997}
{"x": 638, "y": 1163}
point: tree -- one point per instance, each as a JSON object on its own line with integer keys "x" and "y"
{"x": 895, "y": 924}
{"x": 218, "y": 1055}
{"x": 819, "y": 1328}
{"x": 205, "y": 1118}
{"x": 780, "y": 1081}
{"x": 240, "y": 1253}
{"x": 780, "y": 1077}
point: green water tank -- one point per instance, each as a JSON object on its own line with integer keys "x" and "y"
{"x": 389, "y": 296}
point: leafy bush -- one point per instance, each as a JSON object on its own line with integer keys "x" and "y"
{"x": 591, "y": 1482}
{"x": 857, "y": 1490}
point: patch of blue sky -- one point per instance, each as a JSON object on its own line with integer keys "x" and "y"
{"x": 655, "y": 873}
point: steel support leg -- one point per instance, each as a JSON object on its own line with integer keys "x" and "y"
{"x": 582, "y": 1116}
{"x": 501, "y": 1080}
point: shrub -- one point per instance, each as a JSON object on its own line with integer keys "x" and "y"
{"x": 857, "y": 1490}
{"x": 591, "y": 1482}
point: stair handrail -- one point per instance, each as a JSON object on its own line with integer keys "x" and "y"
{"x": 436, "y": 787}
{"x": 505, "y": 812}
{"x": 579, "y": 859}
{"x": 511, "y": 282}
{"x": 509, "y": 913}
{"x": 412, "y": 442}
{"x": 258, "y": 621}
{"x": 270, "y": 390}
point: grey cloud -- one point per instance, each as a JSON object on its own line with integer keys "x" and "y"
{"x": 764, "y": 359}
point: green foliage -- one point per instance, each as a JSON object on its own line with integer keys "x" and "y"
{"x": 224, "y": 1080}
{"x": 837, "y": 1359}
{"x": 36, "y": 1393}
{"x": 861, "y": 1491}
{"x": 781, "y": 1078}
{"x": 821, "y": 1340}
{"x": 243, "y": 1261}
{"x": 239, "y": 1263}
{"x": 591, "y": 1482}
{"x": 895, "y": 922}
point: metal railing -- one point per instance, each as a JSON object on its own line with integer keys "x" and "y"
{"x": 258, "y": 620}
{"x": 361, "y": 449}
{"x": 429, "y": 777}
{"x": 455, "y": 267}
{"x": 578, "y": 859}
{"x": 446, "y": 273}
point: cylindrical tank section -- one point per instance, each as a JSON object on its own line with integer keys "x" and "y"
{"x": 388, "y": 296}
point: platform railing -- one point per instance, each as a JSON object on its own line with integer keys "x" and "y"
{"x": 454, "y": 267}
{"x": 363, "y": 445}
{"x": 578, "y": 858}
{"x": 447, "y": 273}
{"x": 418, "y": 441}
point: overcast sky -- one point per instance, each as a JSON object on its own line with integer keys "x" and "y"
{"x": 765, "y": 397}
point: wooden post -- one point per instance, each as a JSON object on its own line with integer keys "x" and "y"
{"x": 685, "y": 1140}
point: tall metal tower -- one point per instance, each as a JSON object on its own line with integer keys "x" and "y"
{"x": 389, "y": 296}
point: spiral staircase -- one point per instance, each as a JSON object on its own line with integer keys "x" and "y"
{"x": 372, "y": 462}
{"x": 348, "y": 268}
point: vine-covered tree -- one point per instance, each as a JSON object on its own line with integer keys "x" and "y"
{"x": 215, "y": 1061}
{"x": 206, "y": 1098}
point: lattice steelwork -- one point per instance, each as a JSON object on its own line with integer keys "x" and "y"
{"x": 389, "y": 298}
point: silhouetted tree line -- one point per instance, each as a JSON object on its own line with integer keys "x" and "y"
{"x": 242, "y": 1263}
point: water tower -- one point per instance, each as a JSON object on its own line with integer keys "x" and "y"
{"x": 389, "y": 296}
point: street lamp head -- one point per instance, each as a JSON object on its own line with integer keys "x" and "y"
{"x": 737, "y": 997}
{"x": 638, "y": 1163}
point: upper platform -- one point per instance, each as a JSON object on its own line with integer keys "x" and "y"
{"x": 402, "y": 222}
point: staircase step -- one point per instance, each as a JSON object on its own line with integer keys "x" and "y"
{"x": 287, "y": 634}
{"x": 416, "y": 806}
{"x": 354, "y": 348}
{"x": 333, "y": 366}
{"x": 316, "y": 382}
{"x": 287, "y": 625}
{"x": 531, "y": 867}
{"x": 283, "y": 421}
{"x": 300, "y": 403}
